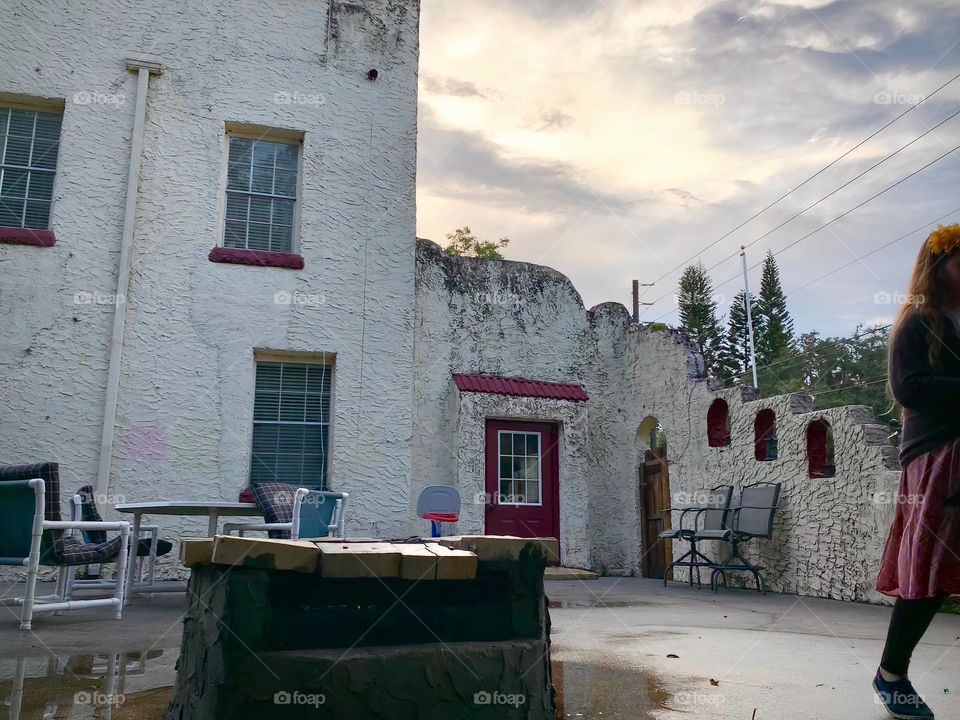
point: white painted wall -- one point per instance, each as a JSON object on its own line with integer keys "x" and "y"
{"x": 185, "y": 413}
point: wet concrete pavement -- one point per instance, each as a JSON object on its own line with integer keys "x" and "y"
{"x": 623, "y": 649}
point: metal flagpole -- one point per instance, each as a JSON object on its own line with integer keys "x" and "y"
{"x": 746, "y": 301}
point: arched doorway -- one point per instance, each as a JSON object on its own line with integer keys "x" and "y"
{"x": 654, "y": 482}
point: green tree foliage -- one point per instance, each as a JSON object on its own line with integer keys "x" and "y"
{"x": 734, "y": 356}
{"x": 698, "y": 314}
{"x": 774, "y": 326}
{"x": 464, "y": 243}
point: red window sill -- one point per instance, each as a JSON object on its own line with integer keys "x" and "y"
{"x": 261, "y": 258}
{"x": 27, "y": 236}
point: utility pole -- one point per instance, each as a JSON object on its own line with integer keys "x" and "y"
{"x": 636, "y": 299}
{"x": 746, "y": 301}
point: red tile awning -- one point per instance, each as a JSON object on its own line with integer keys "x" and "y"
{"x": 520, "y": 387}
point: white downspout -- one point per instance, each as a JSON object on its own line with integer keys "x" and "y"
{"x": 144, "y": 68}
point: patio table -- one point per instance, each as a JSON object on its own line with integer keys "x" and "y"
{"x": 212, "y": 509}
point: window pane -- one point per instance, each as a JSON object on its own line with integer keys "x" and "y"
{"x": 287, "y": 156}
{"x": 268, "y": 377}
{"x": 533, "y": 444}
{"x": 18, "y": 150}
{"x": 48, "y": 126}
{"x": 506, "y": 444}
{"x": 41, "y": 186}
{"x": 283, "y": 212}
{"x": 518, "y": 468}
{"x": 238, "y": 176}
{"x": 38, "y": 214}
{"x": 533, "y": 468}
{"x": 519, "y": 446}
{"x": 286, "y": 183}
{"x": 292, "y": 407}
{"x": 262, "y": 180}
{"x": 258, "y": 236}
{"x": 44, "y": 154}
{"x": 263, "y": 153}
{"x": 266, "y": 406}
{"x": 237, "y": 206}
{"x": 318, "y": 379}
{"x": 260, "y": 209}
{"x": 314, "y": 409}
{"x": 533, "y": 492}
{"x": 506, "y": 489}
{"x": 14, "y": 183}
{"x": 235, "y": 235}
{"x": 240, "y": 149}
{"x": 4, "y": 114}
{"x": 21, "y": 122}
{"x": 11, "y": 212}
{"x": 506, "y": 467}
{"x": 281, "y": 238}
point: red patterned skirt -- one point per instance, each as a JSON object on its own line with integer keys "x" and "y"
{"x": 922, "y": 555}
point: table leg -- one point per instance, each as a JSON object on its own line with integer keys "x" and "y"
{"x": 132, "y": 557}
{"x": 212, "y": 523}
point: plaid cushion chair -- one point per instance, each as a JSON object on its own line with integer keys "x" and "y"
{"x": 292, "y": 512}
{"x": 89, "y": 513}
{"x": 32, "y": 533}
{"x": 275, "y": 500}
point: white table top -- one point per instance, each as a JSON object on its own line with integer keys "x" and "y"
{"x": 190, "y": 507}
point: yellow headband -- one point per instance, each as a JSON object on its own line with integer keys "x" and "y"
{"x": 944, "y": 240}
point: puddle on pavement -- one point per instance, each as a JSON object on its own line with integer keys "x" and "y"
{"x": 554, "y": 604}
{"x": 138, "y": 686}
{"x": 595, "y": 692}
{"x": 120, "y": 686}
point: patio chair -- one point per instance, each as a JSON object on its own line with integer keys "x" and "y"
{"x": 83, "y": 507}
{"x": 751, "y": 517}
{"x": 32, "y": 533}
{"x": 438, "y": 504}
{"x": 295, "y": 513}
{"x": 714, "y": 515}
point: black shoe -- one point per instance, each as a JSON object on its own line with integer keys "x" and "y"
{"x": 900, "y": 700}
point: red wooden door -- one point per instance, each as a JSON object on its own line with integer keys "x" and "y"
{"x": 522, "y": 479}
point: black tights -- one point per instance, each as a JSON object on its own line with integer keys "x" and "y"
{"x": 909, "y": 622}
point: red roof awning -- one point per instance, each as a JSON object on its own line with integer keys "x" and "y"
{"x": 520, "y": 387}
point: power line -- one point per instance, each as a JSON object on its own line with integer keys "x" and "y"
{"x": 852, "y": 386}
{"x": 827, "y": 224}
{"x": 826, "y": 346}
{"x": 812, "y": 177}
{"x": 828, "y": 195}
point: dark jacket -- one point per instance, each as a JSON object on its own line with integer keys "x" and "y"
{"x": 930, "y": 398}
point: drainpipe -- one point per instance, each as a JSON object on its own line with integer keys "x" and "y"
{"x": 144, "y": 69}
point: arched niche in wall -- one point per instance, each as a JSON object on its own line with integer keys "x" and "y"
{"x": 718, "y": 423}
{"x": 820, "y": 449}
{"x": 765, "y": 435}
{"x": 653, "y": 474}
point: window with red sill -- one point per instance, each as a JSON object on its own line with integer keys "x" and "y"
{"x": 820, "y": 449}
{"x": 765, "y": 435}
{"x": 29, "y": 145}
{"x": 261, "y": 202}
{"x": 718, "y": 424}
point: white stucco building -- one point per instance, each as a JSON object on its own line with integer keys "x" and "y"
{"x": 208, "y": 276}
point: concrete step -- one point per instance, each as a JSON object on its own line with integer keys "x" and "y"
{"x": 565, "y": 573}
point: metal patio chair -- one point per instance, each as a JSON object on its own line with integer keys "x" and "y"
{"x": 296, "y": 513}
{"x": 752, "y": 517}
{"x": 714, "y": 520}
{"x": 33, "y": 533}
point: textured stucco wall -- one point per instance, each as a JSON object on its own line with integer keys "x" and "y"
{"x": 185, "y": 411}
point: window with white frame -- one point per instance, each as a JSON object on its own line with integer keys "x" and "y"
{"x": 29, "y": 144}
{"x": 261, "y": 194}
{"x": 520, "y": 468}
{"x": 291, "y": 423}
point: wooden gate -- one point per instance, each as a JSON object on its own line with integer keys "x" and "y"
{"x": 655, "y": 494}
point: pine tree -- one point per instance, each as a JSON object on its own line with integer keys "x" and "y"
{"x": 774, "y": 327}
{"x": 698, "y": 314}
{"x": 734, "y": 358}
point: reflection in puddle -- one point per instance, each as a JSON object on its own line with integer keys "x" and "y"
{"x": 554, "y": 604}
{"x": 95, "y": 687}
{"x": 595, "y": 692}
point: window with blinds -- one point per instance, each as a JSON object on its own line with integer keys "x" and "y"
{"x": 261, "y": 195}
{"x": 29, "y": 144}
{"x": 291, "y": 424}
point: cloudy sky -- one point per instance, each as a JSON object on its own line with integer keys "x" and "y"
{"x": 615, "y": 139}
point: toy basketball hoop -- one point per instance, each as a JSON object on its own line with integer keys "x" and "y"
{"x": 439, "y": 504}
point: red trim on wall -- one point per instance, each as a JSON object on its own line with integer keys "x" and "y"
{"x": 261, "y": 258}
{"x": 519, "y": 387}
{"x": 27, "y": 236}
